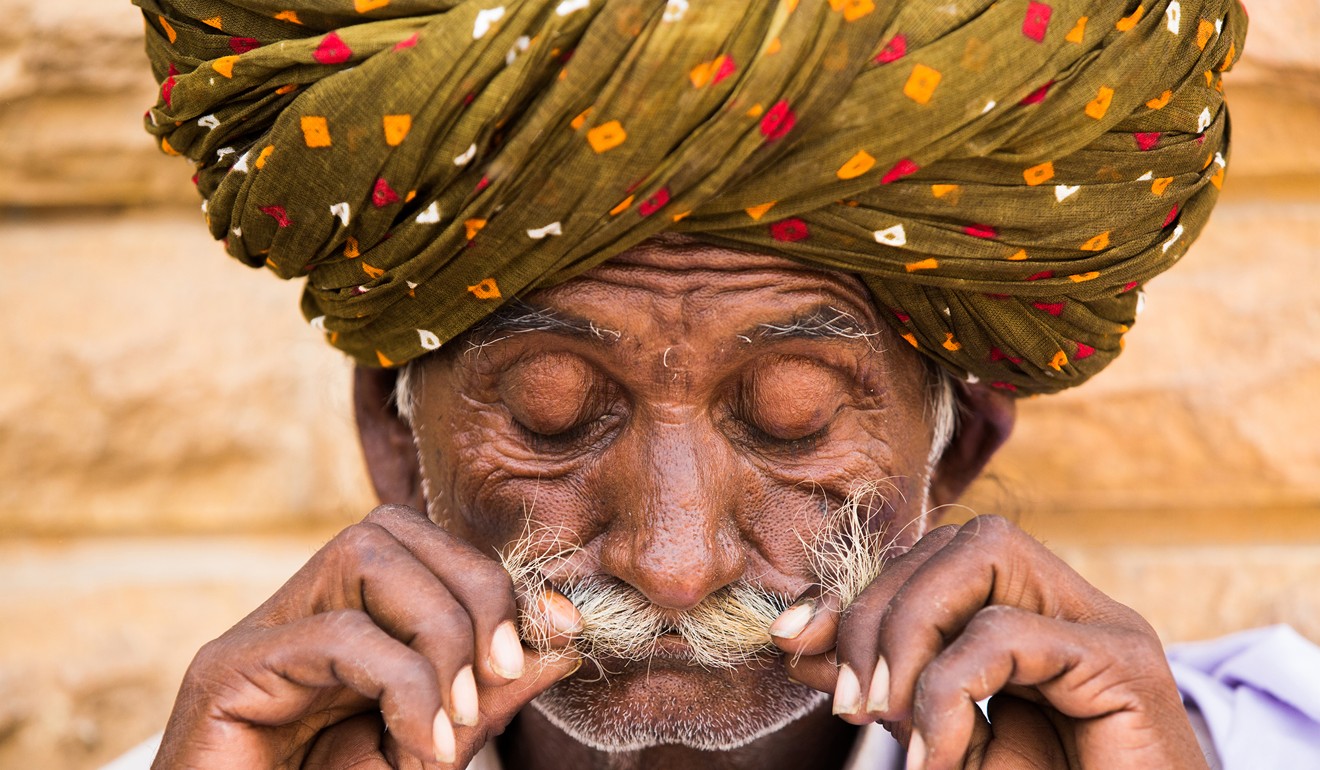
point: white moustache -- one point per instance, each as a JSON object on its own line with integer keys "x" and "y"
{"x": 729, "y": 628}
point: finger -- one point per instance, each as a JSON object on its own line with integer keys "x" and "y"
{"x": 989, "y": 561}
{"x": 543, "y": 671}
{"x": 819, "y": 672}
{"x": 1084, "y": 672}
{"x": 475, "y": 580}
{"x": 550, "y": 621}
{"x": 864, "y": 684}
{"x": 499, "y": 705}
{"x": 1023, "y": 738}
{"x": 979, "y": 663}
{"x": 810, "y": 626}
{"x": 401, "y": 760}
{"x": 280, "y": 675}
{"x": 917, "y": 752}
{"x": 354, "y": 743}
{"x": 408, "y": 601}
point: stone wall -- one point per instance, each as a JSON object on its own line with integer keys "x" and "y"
{"x": 174, "y": 441}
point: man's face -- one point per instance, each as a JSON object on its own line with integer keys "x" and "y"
{"x": 689, "y": 415}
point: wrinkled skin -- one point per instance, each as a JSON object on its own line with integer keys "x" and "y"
{"x": 685, "y": 448}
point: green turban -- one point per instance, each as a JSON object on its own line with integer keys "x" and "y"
{"x": 1005, "y": 176}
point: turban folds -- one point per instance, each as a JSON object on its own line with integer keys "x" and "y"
{"x": 1005, "y": 176}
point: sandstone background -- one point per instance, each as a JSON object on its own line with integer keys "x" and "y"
{"x": 174, "y": 441}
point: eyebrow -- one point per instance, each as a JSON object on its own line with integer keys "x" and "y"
{"x": 823, "y": 322}
{"x": 820, "y": 322}
{"x": 521, "y": 317}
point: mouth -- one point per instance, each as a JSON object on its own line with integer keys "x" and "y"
{"x": 672, "y": 646}
{"x": 671, "y": 651}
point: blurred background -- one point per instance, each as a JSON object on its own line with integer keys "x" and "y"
{"x": 175, "y": 441}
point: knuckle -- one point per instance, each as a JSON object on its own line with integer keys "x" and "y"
{"x": 939, "y": 692}
{"x": 490, "y": 580}
{"x": 362, "y": 544}
{"x": 453, "y": 630}
{"x": 416, "y": 675}
{"x": 942, "y": 532}
{"x": 996, "y": 613}
{"x": 1116, "y": 613}
{"x": 1137, "y": 673}
{"x": 992, "y": 619}
{"x": 212, "y": 676}
{"x": 389, "y": 513}
{"x": 930, "y": 692}
{"x": 992, "y": 527}
{"x": 931, "y": 678}
{"x": 207, "y": 659}
{"x": 347, "y": 623}
{"x": 1137, "y": 647}
{"x": 992, "y": 625}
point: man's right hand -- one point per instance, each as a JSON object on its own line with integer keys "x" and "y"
{"x": 394, "y": 617}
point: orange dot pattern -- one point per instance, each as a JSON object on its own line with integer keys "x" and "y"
{"x": 1005, "y": 179}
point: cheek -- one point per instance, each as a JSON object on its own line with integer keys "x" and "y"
{"x": 858, "y": 449}
{"x": 777, "y": 521}
{"x": 872, "y": 449}
{"x": 491, "y": 490}
{"x": 893, "y": 470}
{"x": 461, "y": 454}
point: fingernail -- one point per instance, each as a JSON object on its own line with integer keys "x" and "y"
{"x": 560, "y": 612}
{"x": 791, "y": 622}
{"x": 916, "y": 753}
{"x": 576, "y": 668}
{"x": 442, "y": 732}
{"x": 847, "y": 692}
{"x": 877, "y": 698}
{"x": 463, "y": 696}
{"x": 506, "y": 654}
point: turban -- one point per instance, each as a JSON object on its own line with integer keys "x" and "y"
{"x": 1004, "y": 176}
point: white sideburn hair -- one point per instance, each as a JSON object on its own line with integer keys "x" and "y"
{"x": 942, "y": 414}
{"x": 405, "y": 390}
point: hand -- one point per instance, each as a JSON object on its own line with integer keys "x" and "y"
{"x": 394, "y": 620}
{"x": 1078, "y": 680}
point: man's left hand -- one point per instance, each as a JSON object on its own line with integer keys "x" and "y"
{"x": 1075, "y": 679}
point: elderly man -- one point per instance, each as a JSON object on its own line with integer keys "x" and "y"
{"x": 681, "y": 321}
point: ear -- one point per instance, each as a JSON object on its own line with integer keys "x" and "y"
{"x": 985, "y": 421}
{"x": 387, "y": 441}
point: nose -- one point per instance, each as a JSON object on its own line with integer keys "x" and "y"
{"x": 675, "y": 535}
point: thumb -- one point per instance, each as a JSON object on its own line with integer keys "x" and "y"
{"x": 542, "y": 671}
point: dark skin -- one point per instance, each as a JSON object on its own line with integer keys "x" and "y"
{"x": 685, "y": 449}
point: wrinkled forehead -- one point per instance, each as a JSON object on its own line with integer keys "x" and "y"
{"x": 674, "y": 282}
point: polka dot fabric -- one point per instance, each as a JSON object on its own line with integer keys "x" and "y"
{"x": 1005, "y": 176}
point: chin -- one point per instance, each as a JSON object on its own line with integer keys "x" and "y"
{"x": 670, "y": 702}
